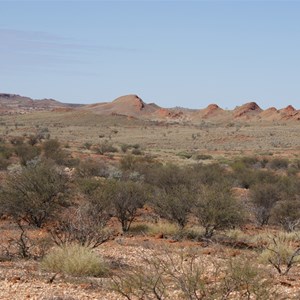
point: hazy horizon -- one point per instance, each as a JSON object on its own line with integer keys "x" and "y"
{"x": 174, "y": 53}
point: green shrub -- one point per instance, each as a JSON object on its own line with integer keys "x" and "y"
{"x": 164, "y": 228}
{"x": 175, "y": 204}
{"x": 34, "y": 194}
{"x": 184, "y": 154}
{"x": 75, "y": 260}
{"x": 217, "y": 209}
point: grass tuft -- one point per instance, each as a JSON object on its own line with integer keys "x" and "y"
{"x": 75, "y": 260}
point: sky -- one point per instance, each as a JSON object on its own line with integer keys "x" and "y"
{"x": 173, "y": 53}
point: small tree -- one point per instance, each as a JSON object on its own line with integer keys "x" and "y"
{"x": 84, "y": 225}
{"x": 126, "y": 197}
{"x": 34, "y": 194}
{"x": 216, "y": 209}
{"x": 264, "y": 198}
{"x": 175, "y": 204}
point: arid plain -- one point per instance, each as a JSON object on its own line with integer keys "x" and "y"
{"x": 219, "y": 213}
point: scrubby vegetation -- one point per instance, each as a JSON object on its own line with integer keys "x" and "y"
{"x": 83, "y": 202}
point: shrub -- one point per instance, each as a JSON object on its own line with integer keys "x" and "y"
{"x": 87, "y": 145}
{"x": 243, "y": 277}
{"x": 4, "y": 163}
{"x": 32, "y": 139}
{"x": 184, "y": 154}
{"x": 75, "y": 260}
{"x": 217, "y": 209}
{"x": 175, "y": 203}
{"x": 17, "y": 140}
{"x": 278, "y": 163}
{"x": 106, "y": 148}
{"x": 125, "y": 147}
{"x": 26, "y": 153}
{"x": 202, "y": 156}
{"x": 184, "y": 274}
{"x": 5, "y": 152}
{"x": 247, "y": 178}
{"x": 84, "y": 225}
{"x": 34, "y": 194}
{"x": 89, "y": 167}
{"x": 164, "y": 228}
{"x": 281, "y": 254}
{"x": 128, "y": 162}
{"x": 264, "y": 198}
{"x": 52, "y": 150}
{"x": 212, "y": 174}
{"x": 287, "y": 214}
{"x": 168, "y": 176}
{"x": 125, "y": 197}
{"x": 135, "y": 151}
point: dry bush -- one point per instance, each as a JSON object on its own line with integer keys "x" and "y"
{"x": 84, "y": 226}
{"x": 185, "y": 275}
{"x": 281, "y": 254}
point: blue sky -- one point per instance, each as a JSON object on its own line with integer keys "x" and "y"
{"x": 173, "y": 53}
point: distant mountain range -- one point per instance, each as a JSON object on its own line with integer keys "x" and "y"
{"x": 11, "y": 103}
{"x": 133, "y": 106}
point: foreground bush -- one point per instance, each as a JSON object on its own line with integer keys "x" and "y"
{"x": 75, "y": 260}
{"x": 184, "y": 275}
{"x": 281, "y": 254}
{"x": 34, "y": 194}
